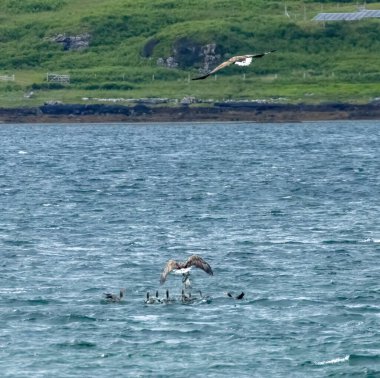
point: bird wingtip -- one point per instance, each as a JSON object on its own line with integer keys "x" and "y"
{"x": 200, "y": 77}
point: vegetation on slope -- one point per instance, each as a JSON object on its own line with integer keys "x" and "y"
{"x": 315, "y": 61}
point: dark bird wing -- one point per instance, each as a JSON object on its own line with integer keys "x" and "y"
{"x": 201, "y": 77}
{"x": 262, "y": 54}
{"x": 198, "y": 262}
{"x": 240, "y": 296}
{"x": 222, "y": 65}
{"x": 111, "y": 297}
{"x": 170, "y": 265}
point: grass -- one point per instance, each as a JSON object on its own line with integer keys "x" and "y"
{"x": 314, "y": 62}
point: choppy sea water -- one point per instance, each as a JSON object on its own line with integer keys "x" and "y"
{"x": 286, "y": 213}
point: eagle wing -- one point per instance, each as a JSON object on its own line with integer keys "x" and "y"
{"x": 170, "y": 265}
{"x": 198, "y": 262}
{"x": 217, "y": 68}
{"x": 262, "y": 54}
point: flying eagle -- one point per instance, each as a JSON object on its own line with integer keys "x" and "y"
{"x": 240, "y": 60}
{"x": 185, "y": 267}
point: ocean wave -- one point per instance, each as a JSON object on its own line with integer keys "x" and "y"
{"x": 352, "y": 359}
{"x": 333, "y": 361}
{"x": 371, "y": 240}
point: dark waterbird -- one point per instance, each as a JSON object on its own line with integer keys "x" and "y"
{"x": 239, "y": 296}
{"x": 240, "y": 60}
{"x": 152, "y": 300}
{"x": 188, "y": 298}
{"x": 167, "y": 298}
{"x": 157, "y": 299}
{"x": 114, "y": 297}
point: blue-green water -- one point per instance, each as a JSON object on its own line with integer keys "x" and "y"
{"x": 287, "y": 213}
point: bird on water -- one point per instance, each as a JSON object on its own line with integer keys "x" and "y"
{"x": 114, "y": 297}
{"x": 239, "y": 296}
{"x": 157, "y": 299}
{"x": 240, "y": 60}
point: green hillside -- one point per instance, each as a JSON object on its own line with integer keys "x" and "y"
{"x": 124, "y": 46}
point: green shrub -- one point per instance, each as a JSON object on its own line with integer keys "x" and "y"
{"x": 45, "y": 86}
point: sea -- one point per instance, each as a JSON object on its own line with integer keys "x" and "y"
{"x": 286, "y": 213}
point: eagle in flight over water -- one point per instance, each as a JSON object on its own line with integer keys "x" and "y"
{"x": 185, "y": 267}
{"x": 240, "y": 60}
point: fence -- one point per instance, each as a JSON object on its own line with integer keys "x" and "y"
{"x": 7, "y": 78}
{"x": 56, "y": 78}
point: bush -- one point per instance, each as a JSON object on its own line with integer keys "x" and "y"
{"x": 45, "y": 86}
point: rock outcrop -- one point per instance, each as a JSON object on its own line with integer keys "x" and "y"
{"x": 186, "y": 53}
{"x": 169, "y": 62}
{"x": 209, "y": 56}
{"x": 75, "y": 42}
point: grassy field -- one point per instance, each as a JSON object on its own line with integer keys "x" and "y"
{"x": 336, "y": 61}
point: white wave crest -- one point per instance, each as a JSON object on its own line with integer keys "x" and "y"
{"x": 337, "y": 360}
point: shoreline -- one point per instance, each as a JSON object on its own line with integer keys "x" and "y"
{"x": 218, "y": 112}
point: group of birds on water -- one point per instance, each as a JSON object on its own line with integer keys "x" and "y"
{"x": 177, "y": 268}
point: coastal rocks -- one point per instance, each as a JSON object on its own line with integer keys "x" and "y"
{"x": 223, "y": 111}
{"x": 79, "y": 109}
{"x": 189, "y": 100}
{"x": 76, "y": 42}
{"x": 60, "y": 109}
{"x": 53, "y": 102}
